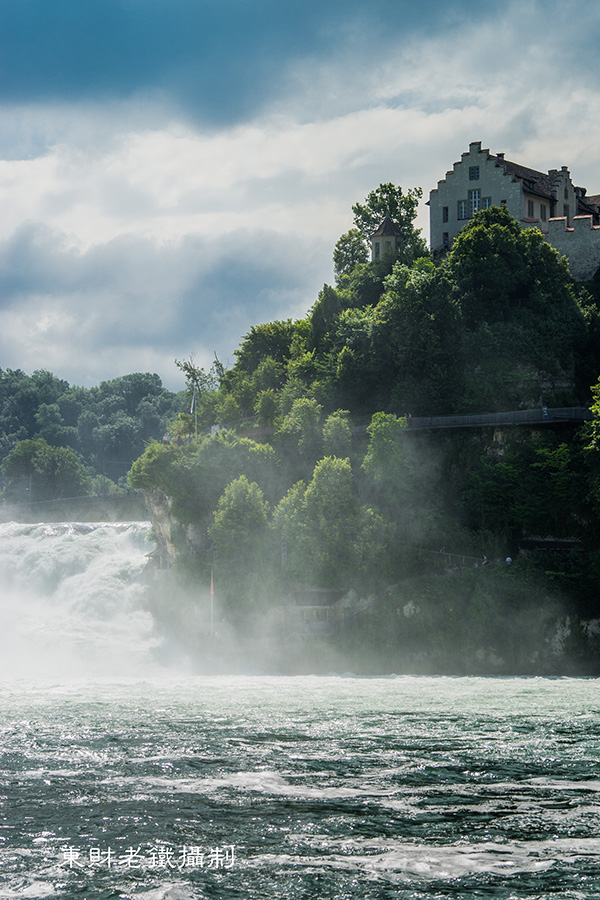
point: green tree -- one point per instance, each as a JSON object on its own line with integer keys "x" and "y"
{"x": 239, "y": 532}
{"x": 536, "y": 487}
{"x": 34, "y": 470}
{"x": 337, "y": 435}
{"x": 350, "y": 250}
{"x": 300, "y": 436}
{"x": 266, "y": 406}
{"x": 331, "y": 539}
{"x": 524, "y": 331}
{"x": 273, "y": 339}
{"x": 322, "y": 317}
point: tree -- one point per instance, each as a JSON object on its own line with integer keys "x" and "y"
{"x": 390, "y": 200}
{"x": 337, "y": 436}
{"x": 417, "y": 342}
{"x": 266, "y": 406}
{"x": 239, "y": 532}
{"x": 300, "y": 434}
{"x": 322, "y": 317}
{"x": 36, "y": 471}
{"x": 332, "y": 540}
{"x": 202, "y": 390}
{"x": 385, "y": 461}
{"x": 272, "y": 339}
{"x": 523, "y": 329}
{"x": 349, "y": 251}
{"x": 535, "y": 487}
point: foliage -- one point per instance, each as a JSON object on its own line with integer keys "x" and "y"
{"x": 535, "y": 487}
{"x": 35, "y": 471}
{"x": 337, "y": 435}
{"x": 239, "y": 532}
{"x": 107, "y": 425}
{"x": 350, "y": 251}
{"x": 332, "y": 540}
{"x": 401, "y": 207}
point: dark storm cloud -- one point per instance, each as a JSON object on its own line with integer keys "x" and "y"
{"x": 220, "y": 61}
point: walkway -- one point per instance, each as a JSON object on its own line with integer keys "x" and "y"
{"x": 572, "y": 415}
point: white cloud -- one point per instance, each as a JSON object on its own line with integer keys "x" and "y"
{"x": 132, "y": 235}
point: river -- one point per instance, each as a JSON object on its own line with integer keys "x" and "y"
{"x": 133, "y": 780}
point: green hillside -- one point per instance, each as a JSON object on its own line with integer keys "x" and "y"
{"x": 317, "y": 481}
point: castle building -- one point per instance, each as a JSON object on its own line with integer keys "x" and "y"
{"x": 550, "y": 201}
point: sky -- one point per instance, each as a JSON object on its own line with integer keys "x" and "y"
{"x": 173, "y": 172}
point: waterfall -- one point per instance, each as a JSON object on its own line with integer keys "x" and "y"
{"x": 72, "y": 599}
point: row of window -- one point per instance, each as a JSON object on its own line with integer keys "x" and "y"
{"x": 467, "y": 208}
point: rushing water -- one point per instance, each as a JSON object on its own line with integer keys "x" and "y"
{"x": 71, "y": 599}
{"x": 294, "y": 787}
{"x": 164, "y": 785}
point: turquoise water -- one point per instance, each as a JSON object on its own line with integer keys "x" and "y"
{"x": 299, "y": 787}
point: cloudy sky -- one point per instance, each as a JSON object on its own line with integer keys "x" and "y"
{"x": 175, "y": 171}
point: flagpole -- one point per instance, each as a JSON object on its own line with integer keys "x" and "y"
{"x": 194, "y": 411}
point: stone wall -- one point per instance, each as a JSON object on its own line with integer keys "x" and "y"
{"x": 580, "y": 243}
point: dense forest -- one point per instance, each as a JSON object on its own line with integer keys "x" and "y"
{"x": 58, "y": 440}
{"x": 298, "y": 468}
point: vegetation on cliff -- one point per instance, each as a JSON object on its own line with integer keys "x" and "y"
{"x": 317, "y": 478}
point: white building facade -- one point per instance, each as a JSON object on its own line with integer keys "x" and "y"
{"x": 480, "y": 180}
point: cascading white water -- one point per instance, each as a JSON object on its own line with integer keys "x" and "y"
{"x": 71, "y": 599}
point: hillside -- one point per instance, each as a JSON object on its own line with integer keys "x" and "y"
{"x": 317, "y": 482}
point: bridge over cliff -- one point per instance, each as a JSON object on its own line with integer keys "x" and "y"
{"x": 128, "y": 507}
{"x": 543, "y": 415}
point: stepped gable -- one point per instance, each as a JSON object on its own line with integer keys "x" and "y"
{"x": 548, "y": 201}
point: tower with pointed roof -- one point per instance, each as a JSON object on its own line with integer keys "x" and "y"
{"x": 386, "y": 240}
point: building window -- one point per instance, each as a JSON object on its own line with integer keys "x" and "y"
{"x": 474, "y": 202}
{"x": 444, "y": 213}
{"x": 543, "y": 212}
{"x": 473, "y": 173}
{"x": 462, "y": 209}
{"x": 566, "y": 193}
{"x": 530, "y": 209}
{"x": 376, "y": 249}
{"x": 566, "y": 212}
{"x": 445, "y": 240}
{"x": 486, "y": 202}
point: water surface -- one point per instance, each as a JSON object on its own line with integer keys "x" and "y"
{"x": 300, "y": 787}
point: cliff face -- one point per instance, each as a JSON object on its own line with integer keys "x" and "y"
{"x": 163, "y": 524}
{"x": 172, "y": 536}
